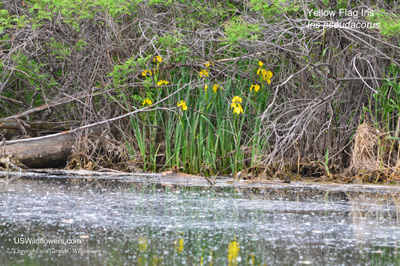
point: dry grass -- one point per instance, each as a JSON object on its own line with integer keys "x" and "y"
{"x": 365, "y": 149}
{"x": 374, "y": 150}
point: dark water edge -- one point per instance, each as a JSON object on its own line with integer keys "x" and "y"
{"x": 153, "y": 222}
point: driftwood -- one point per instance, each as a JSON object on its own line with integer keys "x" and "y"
{"x": 41, "y": 152}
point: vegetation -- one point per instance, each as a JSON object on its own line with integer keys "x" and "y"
{"x": 221, "y": 86}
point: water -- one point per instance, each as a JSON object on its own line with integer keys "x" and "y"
{"x": 155, "y": 225}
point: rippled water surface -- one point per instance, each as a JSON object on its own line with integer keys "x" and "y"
{"x": 75, "y": 224}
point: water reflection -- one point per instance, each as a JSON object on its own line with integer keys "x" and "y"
{"x": 191, "y": 226}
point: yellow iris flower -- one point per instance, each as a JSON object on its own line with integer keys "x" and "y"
{"x": 215, "y": 87}
{"x": 255, "y": 87}
{"x": 147, "y": 72}
{"x": 162, "y": 82}
{"x": 157, "y": 59}
{"x": 203, "y": 73}
{"x": 237, "y": 108}
{"x": 260, "y": 63}
{"x": 267, "y": 75}
{"x": 183, "y": 105}
{"x": 208, "y": 63}
{"x": 147, "y": 101}
{"x": 237, "y": 99}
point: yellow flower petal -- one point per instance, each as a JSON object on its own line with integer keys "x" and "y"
{"x": 157, "y": 58}
{"x": 263, "y": 73}
{"x": 146, "y": 72}
{"x": 269, "y": 81}
{"x": 238, "y": 109}
{"x": 237, "y": 99}
{"x": 183, "y": 105}
{"x": 260, "y": 63}
{"x": 269, "y": 74}
{"x": 162, "y": 82}
{"x": 233, "y": 105}
{"x": 215, "y": 87}
{"x": 206, "y": 87}
{"x": 207, "y": 63}
{"x": 147, "y": 101}
{"x": 203, "y": 73}
{"x": 255, "y": 87}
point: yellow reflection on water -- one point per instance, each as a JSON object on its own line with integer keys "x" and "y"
{"x": 233, "y": 252}
{"x": 179, "y": 245}
{"x": 143, "y": 244}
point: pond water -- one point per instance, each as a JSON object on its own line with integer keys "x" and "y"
{"x": 64, "y": 223}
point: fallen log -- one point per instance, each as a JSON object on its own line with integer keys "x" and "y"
{"x": 41, "y": 152}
